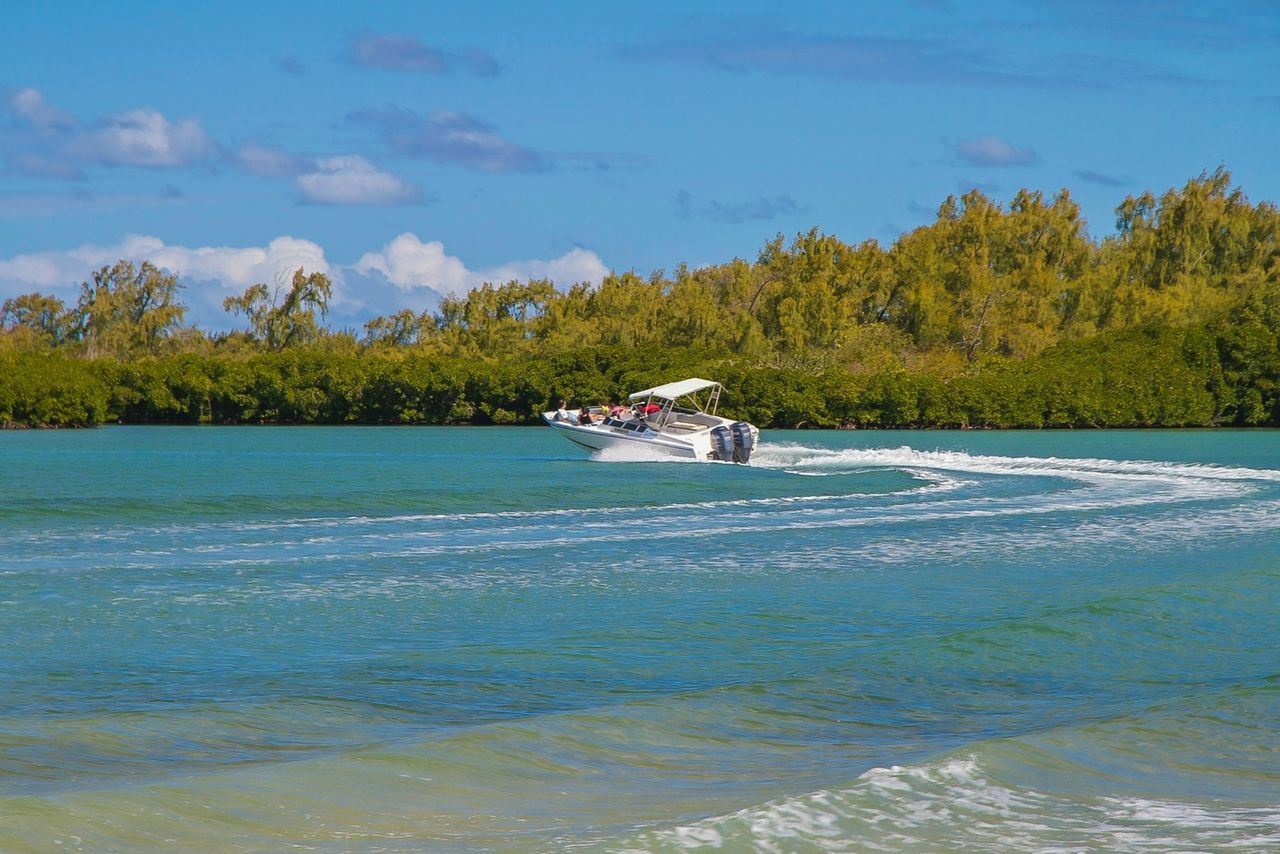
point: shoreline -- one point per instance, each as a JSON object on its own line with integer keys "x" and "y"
{"x": 17, "y": 427}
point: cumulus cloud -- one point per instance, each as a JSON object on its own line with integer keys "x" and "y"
{"x": 408, "y": 273}
{"x": 142, "y": 138}
{"x": 237, "y": 267}
{"x": 48, "y": 142}
{"x": 576, "y": 265}
{"x": 210, "y": 272}
{"x": 338, "y": 180}
{"x": 352, "y": 180}
{"x": 409, "y": 263}
{"x": 405, "y": 273}
{"x": 450, "y": 137}
{"x": 29, "y": 104}
{"x": 407, "y": 53}
{"x": 993, "y": 151}
{"x": 234, "y": 267}
{"x": 358, "y": 297}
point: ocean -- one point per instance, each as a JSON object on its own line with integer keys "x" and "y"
{"x": 459, "y": 639}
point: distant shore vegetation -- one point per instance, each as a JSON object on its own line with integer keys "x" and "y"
{"x": 991, "y": 316}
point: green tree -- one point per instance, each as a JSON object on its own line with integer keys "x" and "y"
{"x": 127, "y": 311}
{"x": 43, "y": 321}
{"x": 279, "y": 318}
{"x": 400, "y": 329}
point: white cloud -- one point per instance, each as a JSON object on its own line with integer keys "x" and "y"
{"x": 276, "y": 162}
{"x": 409, "y": 263}
{"x": 352, "y": 180}
{"x": 406, "y": 52}
{"x": 45, "y": 141}
{"x": 39, "y": 270}
{"x": 576, "y": 265}
{"x": 404, "y": 273}
{"x": 29, "y": 104}
{"x": 143, "y": 138}
{"x": 451, "y": 137}
{"x": 242, "y": 266}
{"x": 994, "y": 151}
{"x": 358, "y": 296}
{"x": 233, "y": 267}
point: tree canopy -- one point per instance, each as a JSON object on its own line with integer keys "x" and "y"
{"x": 993, "y": 314}
{"x": 281, "y": 317}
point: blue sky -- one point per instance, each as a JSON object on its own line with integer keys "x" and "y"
{"x": 413, "y": 149}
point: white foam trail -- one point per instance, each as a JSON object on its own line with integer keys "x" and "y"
{"x": 962, "y": 487}
{"x": 634, "y": 452}
{"x": 953, "y": 804}
{"x": 786, "y": 456}
{"x": 938, "y": 468}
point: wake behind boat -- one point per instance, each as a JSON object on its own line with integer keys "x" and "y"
{"x": 677, "y": 418}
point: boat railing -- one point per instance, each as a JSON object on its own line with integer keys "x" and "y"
{"x": 714, "y": 400}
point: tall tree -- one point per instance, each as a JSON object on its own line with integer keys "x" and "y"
{"x": 43, "y": 320}
{"x": 401, "y": 329}
{"x": 127, "y": 311}
{"x": 280, "y": 318}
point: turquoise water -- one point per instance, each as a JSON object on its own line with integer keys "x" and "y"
{"x": 459, "y": 639}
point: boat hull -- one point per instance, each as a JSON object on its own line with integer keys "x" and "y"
{"x": 597, "y": 438}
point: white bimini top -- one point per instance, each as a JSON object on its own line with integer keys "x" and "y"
{"x": 671, "y": 391}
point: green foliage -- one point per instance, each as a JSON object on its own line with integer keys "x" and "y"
{"x": 397, "y": 330}
{"x": 126, "y": 312}
{"x": 37, "y": 322}
{"x": 991, "y": 316}
{"x": 44, "y": 390}
{"x": 284, "y": 318}
{"x": 1249, "y": 348}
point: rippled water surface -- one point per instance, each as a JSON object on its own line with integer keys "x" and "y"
{"x": 432, "y": 638}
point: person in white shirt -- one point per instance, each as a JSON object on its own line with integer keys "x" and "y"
{"x": 563, "y": 414}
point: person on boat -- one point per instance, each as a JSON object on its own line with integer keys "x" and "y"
{"x": 562, "y": 414}
{"x": 584, "y": 417}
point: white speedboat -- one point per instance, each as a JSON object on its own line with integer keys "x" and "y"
{"x": 677, "y": 418}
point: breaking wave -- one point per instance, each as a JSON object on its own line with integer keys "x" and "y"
{"x": 956, "y": 804}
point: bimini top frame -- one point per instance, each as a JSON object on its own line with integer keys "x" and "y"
{"x": 684, "y": 388}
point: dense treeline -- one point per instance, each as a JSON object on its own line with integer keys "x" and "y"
{"x": 990, "y": 316}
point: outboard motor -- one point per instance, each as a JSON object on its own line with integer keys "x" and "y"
{"x": 743, "y": 441}
{"x": 722, "y": 443}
